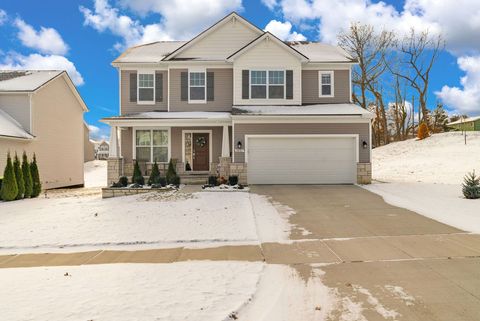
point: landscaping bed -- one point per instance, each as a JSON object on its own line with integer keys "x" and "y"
{"x": 108, "y": 192}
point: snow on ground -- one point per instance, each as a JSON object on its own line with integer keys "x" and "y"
{"x": 441, "y": 158}
{"x": 442, "y": 202}
{"x": 95, "y": 173}
{"x": 177, "y": 291}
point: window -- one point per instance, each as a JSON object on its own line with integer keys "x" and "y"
{"x": 326, "y": 84}
{"x": 272, "y": 86}
{"x": 146, "y": 88}
{"x": 151, "y": 145}
{"x": 197, "y": 88}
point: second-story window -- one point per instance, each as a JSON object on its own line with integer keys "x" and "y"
{"x": 258, "y": 81}
{"x": 325, "y": 83}
{"x": 276, "y": 84}
{"x": 269, "y": 84}
{"x": 146, "y": 88}
{"x": 197, "y": 88}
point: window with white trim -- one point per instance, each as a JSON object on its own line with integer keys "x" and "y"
{"x": 325, "y": 82}
{"x": 151, "y": 145}
{"x": 269, "y": 84}
{"x": 146, "y": 87}
{"x": 197, "y": 86}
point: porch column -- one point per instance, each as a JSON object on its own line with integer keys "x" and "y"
{"x": 113, "y": 148}
{"x": 225, "y": 143}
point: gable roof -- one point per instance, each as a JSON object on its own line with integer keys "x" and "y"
{"x": 10, "y": 128}
{"x": 149, "y": 53}
{"x": 321, "y": 52}
{"x": 267, "y": 35}
{"x": 464, "y": 120}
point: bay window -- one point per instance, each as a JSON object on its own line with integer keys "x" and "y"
{"x": 269, "y": 84}
{"x": 326, "y": 83}
{"x": 197, "y": 87}
{"x": 146, "y": 88}
{"x": 151, "y": 145}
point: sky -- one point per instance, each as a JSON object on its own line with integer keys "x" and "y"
{"x": 84, "y": 37}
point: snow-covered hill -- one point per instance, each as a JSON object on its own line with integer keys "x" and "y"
{"x": 441, "y": 158}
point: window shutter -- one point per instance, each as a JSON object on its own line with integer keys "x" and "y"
{"x": 210, "y": 85}
{"x": 184, "y": 86}
{"x": 133, "y": 87}
{"x": 158, "y": 87}
{"x": 245, "y": 84}
{"x": 289, "y": 84}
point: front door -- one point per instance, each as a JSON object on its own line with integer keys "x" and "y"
{"x": 201, "y": 153}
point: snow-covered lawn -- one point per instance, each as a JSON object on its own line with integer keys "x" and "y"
{"x": 95, "y": 173}
{"x": 441, "y": 158}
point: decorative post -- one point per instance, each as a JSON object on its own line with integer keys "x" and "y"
{"x": 225, "y": 160}
{"x": 114, "y": 162}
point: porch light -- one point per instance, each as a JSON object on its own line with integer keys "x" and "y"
{"x": 239, "y": 145}
{"x": 364, "y": 144}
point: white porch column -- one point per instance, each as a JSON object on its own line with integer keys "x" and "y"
{"x": 113, "y": 148}
{"x": 225, "y": 143}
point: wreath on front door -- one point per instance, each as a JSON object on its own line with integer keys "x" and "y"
{"x": 201, "y": 141}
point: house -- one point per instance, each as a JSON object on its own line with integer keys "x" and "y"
{"x": 88, "y": 145}
{"x": 236, "y": 100}
{"x": 466, "y": 124}
{"x": 102, "y": 150}
{"x": 41, "y": 112}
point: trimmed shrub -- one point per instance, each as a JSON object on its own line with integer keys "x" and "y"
{"x": 137, "y": 175}
{"x": 176, "y": 180}
{"x": 1, "y": 180}
{"x": 27, "y": 176}
{"x": 123, "y": 181}
{"x": 155, "y": 175}
{"x": 212, "y": 180}
{"x": 423, "y": 131}
{"x": 471, "y": 186}
{"x": 232, "y": 180}
{"x": 19, "y": 177}
{"x": 36, "y": 184}
{"x": 162, "y": 181}
{"x": 171, "y": 172}
{"x": 9, "y": 189}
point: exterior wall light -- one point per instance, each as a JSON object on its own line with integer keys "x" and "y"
{"x": 239, "y": 145}
{"x": 364, "y": 145}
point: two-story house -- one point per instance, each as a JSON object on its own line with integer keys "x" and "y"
{"x": 236, "y": 100}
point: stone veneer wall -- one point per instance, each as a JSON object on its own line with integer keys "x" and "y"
{"x": 240, "y": 170}
{"x": 364, "y": 173}
{"x": 114, "y": 170}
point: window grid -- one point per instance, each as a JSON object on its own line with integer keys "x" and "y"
{"x": 271, "y": 87}
{"x": 152, "y": 142}
{"x": 146, "y": 88}
{"x": 326, "y": 84}
{"x": 197, "y": 86}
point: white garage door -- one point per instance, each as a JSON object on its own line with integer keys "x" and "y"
{"x": 301, "y": 160}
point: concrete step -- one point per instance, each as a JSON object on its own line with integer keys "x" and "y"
{"x": 194, "y": 179}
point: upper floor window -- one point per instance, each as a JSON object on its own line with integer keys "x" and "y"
{"x": 146, "y": 88}
{"x": 197, "y": 87}
{"x": 325, "y": 81}
{"x": 269, "y": 84}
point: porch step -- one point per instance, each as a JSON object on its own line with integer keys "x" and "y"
{"x": 194, "y": 179}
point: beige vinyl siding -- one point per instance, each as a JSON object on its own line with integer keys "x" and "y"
{"x": 18, "y": 107}
{"x": 89, "y": 148}
{"x": 222, "y": 42}
{"x": 126, "y": 141}
{"x": 127, "y": 107}
{"x": 223, "y": 91}
{"x": 267, "y": 55}
{"x": 59, "y": 129}
{"x": 362, "y": 129}
{"x": 310, "y": 89}
{"x": 176, "y": 140}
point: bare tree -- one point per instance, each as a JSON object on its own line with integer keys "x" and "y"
{"x": 439, "y": 119}
{"x": 398, "y": 113}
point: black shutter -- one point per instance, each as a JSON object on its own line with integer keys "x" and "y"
{"x": 245, "y": 84}
{"x": 289, "y": 84}
{"x": 133, "y": 87}
{"x": 210, "y": 85}
{"x": 184, "y": 86}
{"x": 158, "y": 87}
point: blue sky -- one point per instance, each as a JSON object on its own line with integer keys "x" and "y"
{"x": 88, "y": 39}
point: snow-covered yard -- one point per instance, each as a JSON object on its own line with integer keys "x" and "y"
{"x": 95, "y": 173}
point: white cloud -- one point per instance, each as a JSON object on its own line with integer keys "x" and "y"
{"x": 283, "y": 30}
{"x": 3, "y": 16}
{"x": 42, "y": 62}
{"x": 93, "y": 129}
{"x": 98, "y": 133}
{"x": 270, "y": 4}
{"x": 46, "y": 40}
{"x": 465, "y": 100}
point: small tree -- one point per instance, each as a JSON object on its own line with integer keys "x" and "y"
{"x": 171, "y": 173}
{"x": 422, "y": 131}
{"x": 27, "y": 176}
{"x": 471, "y": 186}
{"x": 9, "y": 189}
{"x": 137, "y": 175}
{"x": 19, "y": 177}
{"x": 154, "y": 175}
{"x": 36, "y": 184}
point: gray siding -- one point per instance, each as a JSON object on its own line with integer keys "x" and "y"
{"x": 310, "y": 87}
{"x": 362, "y": 129}
{"x": 127, "y": 107}
{"x": 223, "y": 89}
{"x": 126, "y": 144}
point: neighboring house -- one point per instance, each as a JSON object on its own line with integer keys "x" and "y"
{"x": 102, "y": 150}
{"x": 41, "y": 112}
{"x": 88, "y": 144}
{"x": 466, "y": 124}
{"x": 236, "y": 100}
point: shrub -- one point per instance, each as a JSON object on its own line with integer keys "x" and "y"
{"x": 123, "y": 181}
{"x": 171, "y": 172}
{"x": 27, "y": 176}
{"x": 19, "y": 177}
{"x": 9, "y": 189}
{"x": 137, "y": 175}
{"x": 116, "y": 185}
{"x": 222, "y": 180}
{"x": 471, "y": 186}
{"x": 212, "y": 180}
{"x": 423, "y": 131}
{"x": 188, "y": 167}
{"x": 176, "y": 180}
{"x": 232, "y": 180}
{"x": 162, "y": 181}
{"x": 154, "y": 175}
{"x": 36, "y": 184}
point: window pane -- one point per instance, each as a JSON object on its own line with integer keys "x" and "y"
{"x": 145, "y": 94}
{"x": 259, "y": 91}
{"x": 197, "y": 79}
{"x": 143, "y": 154}
{"x": 145, "y": 80}
{"x": 258, "y": 77}
{"x": 143, "y": 137}
{"x": 276, "y": 77}
{"x": 197, "y": 93}
{"x": 160, "y": 154}
{"x": 160, "y": 137}
{"x": 275, "y": 92}
{"x": 326, "y": 90}
{"x": 326, "y": 79}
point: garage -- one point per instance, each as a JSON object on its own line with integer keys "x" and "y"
{"x": 301, "y": 159}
